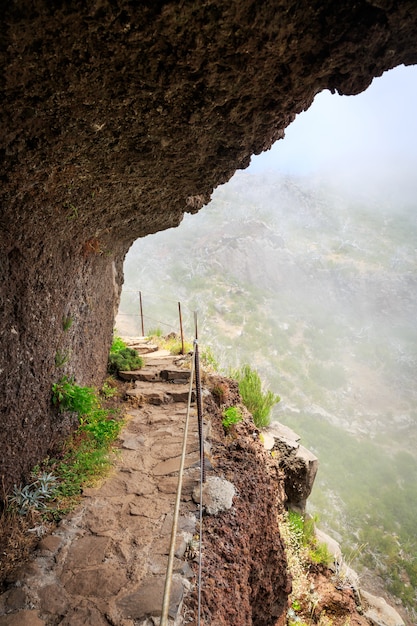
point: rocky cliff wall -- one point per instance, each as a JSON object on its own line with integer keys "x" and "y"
{"x": 118, "y": 117}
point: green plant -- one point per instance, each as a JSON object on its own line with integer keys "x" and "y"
{"x": 117, "y": 344}
{"x": 72, "y": 211}
{"x": 87, "y": 453}
{"x": 208, "y": 359}
{"x": 303, "y": 529}
{"x": 33, "y": 496}
{"x": 174, "y": 345}
{"x": 125, "y": 359}
{"x": 221, "y": 392}
{"x": 66, "y": 323}
{"x": 109, "y": 390}
{"x": 258, "y": 402}
{"x": 61, "y": 358}
{"x": 71, "y": 397}
{"x": 231, "y": 416}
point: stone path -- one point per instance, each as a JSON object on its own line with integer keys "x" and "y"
{"x": 106, "y": 562}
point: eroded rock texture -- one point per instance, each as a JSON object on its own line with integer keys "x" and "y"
{"x": 117, "y": 117}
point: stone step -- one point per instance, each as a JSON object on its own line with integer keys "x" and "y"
{"x": 174, "y": 375}
{"x": 160, "y": 393}
{"x": 148, "y": 375}
{"x": 141, "y": 344}
{"x": 154, "y": 374}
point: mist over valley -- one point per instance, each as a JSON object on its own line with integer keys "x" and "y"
{"x": 316, "y": 288}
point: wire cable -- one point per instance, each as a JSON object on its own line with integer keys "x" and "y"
{"x": 168, "y": 579}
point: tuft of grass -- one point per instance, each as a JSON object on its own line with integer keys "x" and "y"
{"x": 304, "y": 529}
{"x": 61, "y": 357}
{"x": 257, "y": 401}
{"x": 221, "y": 392}
{"x": 125, "y": 360}
{"x": 174, "y": 345}
{"x": 155, "y": 332}
{"x": 66, "y": 323}
{"x": 69, "y": 396}
{"x": 208, "y": 360}
{"x": 86, "y": 455}
{"x": 231, "y": 416}
{"x": 117, "y": 344}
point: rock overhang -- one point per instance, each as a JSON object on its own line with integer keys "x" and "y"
{"x": 118, "y": 117}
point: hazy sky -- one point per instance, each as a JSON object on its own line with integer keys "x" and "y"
{"x": 365, "y": 137}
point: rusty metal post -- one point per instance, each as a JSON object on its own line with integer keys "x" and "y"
{"x": 141, "y": 313}
{"x": 181, "y": 330}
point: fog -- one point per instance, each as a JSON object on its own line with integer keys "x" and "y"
{"x": 305, "y": 266}
{"x": 366, "y": 141}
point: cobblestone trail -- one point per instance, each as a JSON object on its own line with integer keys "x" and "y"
{"x": 105, "y": 563}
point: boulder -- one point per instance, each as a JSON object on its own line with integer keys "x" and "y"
{"x": 299, "y": 464}
{"x": 378, "y": 612}
{"x": 218, "y": 495}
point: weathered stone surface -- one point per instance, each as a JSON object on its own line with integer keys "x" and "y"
{"x": 186, "y": 524}
{"x": 160, "y": 393}
{"x": 300, "y": 467}
{"x": 132, "y": 442}
{"x": 143, "y": 346}
{"x": 281, "y": 431}
{"x": 147, "y": 599}
{"x": 15, "y": 599}
{"x": 158, "y": 565}
{"x": 168, "y": 485}
{"x": 84, "y": 616}
{"x": 148, "y": 507}
{"x": 22, "y": 618}
{"x": 149, "y": 376}
{"x": 87, "y": 551}
{"x": 173, "y": 465}
{"x": 49, "y": 544}
{"x": 177, "y": 374}
{"x": 54, "y": 600}
{"x": 378, "y": 612}
{"x": 218, "y": 494}
{"x": 103, "y": 582}
{"x": 311, "y": 463}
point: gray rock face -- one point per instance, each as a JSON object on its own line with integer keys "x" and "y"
{"x": 378, "y": 612}
{"x": 299, "y": 464}
{"x": 218, "y": 494}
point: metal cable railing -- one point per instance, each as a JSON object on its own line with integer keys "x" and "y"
{"x": 168, "y": 579}
{"x": 195, "y": 375}
{"x": 142, "y": 317}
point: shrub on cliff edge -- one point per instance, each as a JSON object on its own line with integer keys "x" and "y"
{"x": 258, "y": 402}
